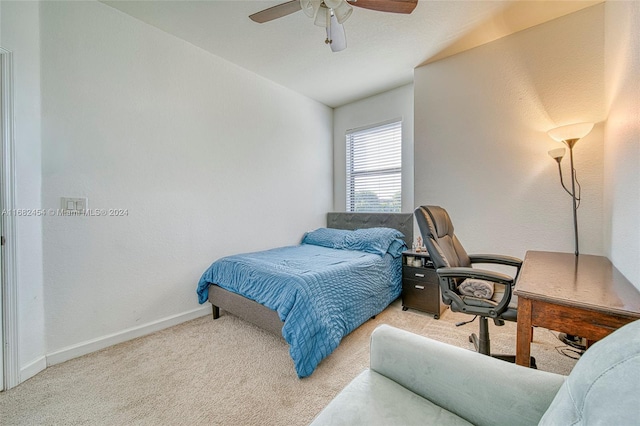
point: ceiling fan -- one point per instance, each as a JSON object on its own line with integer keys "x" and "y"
{"x": 331, "y": 14}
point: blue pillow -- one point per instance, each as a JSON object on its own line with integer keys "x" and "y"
{"x": 327, "y": 237}
{"x": 377, "y": 241}
{"x": 397, "y": 247}
{"x": 371, "y": 240}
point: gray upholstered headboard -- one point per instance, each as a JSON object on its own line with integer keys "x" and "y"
{"x": 403, "y": 222}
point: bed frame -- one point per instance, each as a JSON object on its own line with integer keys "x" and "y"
{"x": 268, "y": 319}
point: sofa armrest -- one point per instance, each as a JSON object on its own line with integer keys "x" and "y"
{"x": 478, "y": 388}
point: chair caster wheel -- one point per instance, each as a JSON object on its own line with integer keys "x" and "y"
{"x": 404, "y": 308}
{"x": 436, "y": 317}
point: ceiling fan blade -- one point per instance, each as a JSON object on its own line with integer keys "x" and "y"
{"x": 276, "y": 12}
{"x": 336, "y": 35}
{"x": 394, "y": 6}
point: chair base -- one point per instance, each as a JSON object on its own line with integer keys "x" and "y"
{"x": 573, "y": 341}
{"x": 509, "y": 358}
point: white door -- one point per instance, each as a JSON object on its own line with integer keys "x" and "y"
{"x": 1, "y": 233}
{"x": 9, "y": 367}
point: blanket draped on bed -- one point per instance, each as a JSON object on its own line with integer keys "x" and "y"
{"x": 321, "y": 294}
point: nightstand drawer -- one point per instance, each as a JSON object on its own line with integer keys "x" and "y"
{"x": 420, "y": 274}
{"x": 420, "y": 293}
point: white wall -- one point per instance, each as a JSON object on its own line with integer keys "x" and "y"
{"x": 481, "y": 119}
{"x": 622, "y": 137}
{"x": 396, "y": 103}
{"x": 20, "y": 34}
{"x": 208, "y": 159}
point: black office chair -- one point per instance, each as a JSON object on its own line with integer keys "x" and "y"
{"x": 454, "y": 267}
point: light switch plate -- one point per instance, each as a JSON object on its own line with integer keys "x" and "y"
{"x": 74, "y": 205}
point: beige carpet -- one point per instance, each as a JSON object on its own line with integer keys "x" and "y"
{"x": 224, "y": 372}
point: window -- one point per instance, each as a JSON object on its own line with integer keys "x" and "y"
{"x": 374, "y": 168}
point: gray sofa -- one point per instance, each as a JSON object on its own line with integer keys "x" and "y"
{"x": 416, "y": 380}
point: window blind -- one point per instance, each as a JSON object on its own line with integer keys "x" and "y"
{"x": 374, "y": 168}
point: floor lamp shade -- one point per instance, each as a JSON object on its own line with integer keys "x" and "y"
{"x": 557, "y": 153}
{"x": 571, "y": 132}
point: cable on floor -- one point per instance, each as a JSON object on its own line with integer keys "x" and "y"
{"x": 567, "y": 351}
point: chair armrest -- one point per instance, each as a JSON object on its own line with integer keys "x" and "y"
{"x": 481, "y": 274}
{"x": 496, "y": 259}
{"x": 478, "y": 388}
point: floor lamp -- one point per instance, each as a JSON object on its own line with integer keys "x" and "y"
{"x": 570, "y": 135}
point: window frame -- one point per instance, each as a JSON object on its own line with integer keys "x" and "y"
{"x": 352, "y": 175}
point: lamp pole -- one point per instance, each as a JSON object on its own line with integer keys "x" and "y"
{"x": 570, "y": 143}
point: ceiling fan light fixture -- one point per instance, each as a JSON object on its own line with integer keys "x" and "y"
{"x": 310, "y": 7}
{"x": 343, "y": 11}
{"x": 307, "y": 7}
{"x": 322, "y": 17}
{"x": 333, "y": 4}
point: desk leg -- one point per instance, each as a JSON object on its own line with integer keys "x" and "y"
{"x": 524, "y": 333}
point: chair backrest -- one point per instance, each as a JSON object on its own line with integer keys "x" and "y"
{"x": 443, "y": 246}
{"x": 604, "y": 386}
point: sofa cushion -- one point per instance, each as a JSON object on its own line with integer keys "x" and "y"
{"x": 372, "y": 399}
{"x": 604, "y": 385}
{"x": 481, "y": 389}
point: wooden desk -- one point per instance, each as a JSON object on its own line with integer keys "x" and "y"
{"x": 584, "y": 296}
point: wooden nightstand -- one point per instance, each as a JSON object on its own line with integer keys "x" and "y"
{"x": 420, "y": 286}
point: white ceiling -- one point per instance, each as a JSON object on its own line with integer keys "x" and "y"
{"x": 382, "y": 48}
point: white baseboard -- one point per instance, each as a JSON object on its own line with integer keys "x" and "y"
{"x": 93, "y": 345}
{"x": 33, "y": 368}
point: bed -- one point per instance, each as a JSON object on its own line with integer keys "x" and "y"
{"x": 315, "y": 293}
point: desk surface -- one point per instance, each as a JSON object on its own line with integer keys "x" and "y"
{"x": 585, "y": 281}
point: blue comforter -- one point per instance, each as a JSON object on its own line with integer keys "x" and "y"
{"x": 321, "y": 293}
